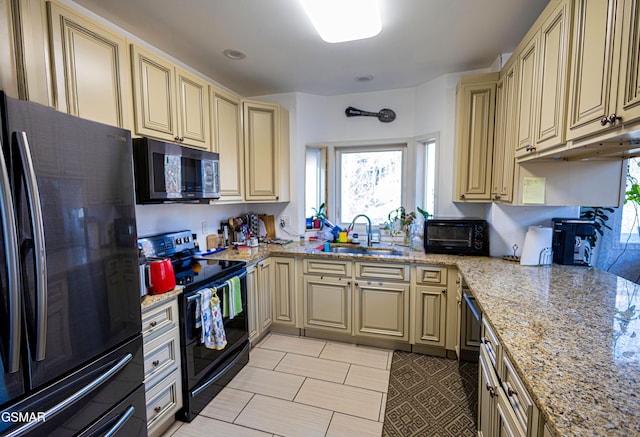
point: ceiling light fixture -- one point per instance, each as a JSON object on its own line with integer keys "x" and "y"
{"x": 234, "y": 54}
{"x": 344, "y": 20}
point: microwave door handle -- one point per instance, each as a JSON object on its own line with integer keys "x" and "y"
{"x": 37, "y": 224}
{"x": 10, "y": 233}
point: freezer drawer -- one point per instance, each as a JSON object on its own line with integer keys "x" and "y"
{"x": 74, "y": 403}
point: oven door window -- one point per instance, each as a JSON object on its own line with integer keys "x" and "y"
{"x": 450, "y": 236}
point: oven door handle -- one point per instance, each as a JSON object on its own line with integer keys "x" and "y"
{"x": 472, "y": 307}
{"x": 195, "y": 295}
{"x": 195, "y": 392}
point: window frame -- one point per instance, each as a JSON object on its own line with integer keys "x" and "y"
{"x": 413, "y": 177}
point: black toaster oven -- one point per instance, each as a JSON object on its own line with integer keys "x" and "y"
{"x": 456, "y": 236}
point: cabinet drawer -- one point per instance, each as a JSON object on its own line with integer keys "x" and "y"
{"x": 324, "y": 267}
{"x": 164, "y": 400}
{"x": 396, "y": 272}
{"x": 516, "y": 393}
{"x": 431, "y": 275}
{"x": 490, "y": 340}
{"x": 159, "y": 355}
{"x": 158, "y": 320}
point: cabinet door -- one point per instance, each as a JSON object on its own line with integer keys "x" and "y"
{"x": 382, "y": 310}
{"x": 284, "y": 291}
{"x": 629, "y": 87}
{"x": 227, "y": 141}
{"x": 261, "y": 142}
{"x": 265, "y": 278}
{"x": 253, "y": 305}
{"x": 504, "y": 148}
{"x": 430, "y": 310}
{"x": 476, "y": 106}
{"x": 327, "y": 303}
{"x": 593, "y": 67}
{"x": 153, "y": 91}
{"x": 487, "y": 393}
{"x": 91, "y": 66}
{"x": 506, "y": 423}
{"x": 527, "y": 72}
{"x": 193, "y": 110}
{"x": 552, "y": 78}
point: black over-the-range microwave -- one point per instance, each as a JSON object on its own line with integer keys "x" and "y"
{"x": 167, "y": 172}
{"x": 456, "y": 236}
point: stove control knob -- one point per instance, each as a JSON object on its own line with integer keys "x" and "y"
{"x": 178, "y": 240}
{"x": 187, "y": 239}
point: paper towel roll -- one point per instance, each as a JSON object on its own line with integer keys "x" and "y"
{"x": 537, "y": 240}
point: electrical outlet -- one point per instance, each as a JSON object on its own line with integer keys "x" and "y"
{"x": 285, "y": 221}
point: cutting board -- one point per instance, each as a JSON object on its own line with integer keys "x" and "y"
{"x": 269, "y": 224}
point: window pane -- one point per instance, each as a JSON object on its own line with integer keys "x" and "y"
{"x": 371, "y": 184}
{"x": 629, "y": 229}
{"x": 315, "y": 179}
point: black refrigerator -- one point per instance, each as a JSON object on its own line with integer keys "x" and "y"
{"x": 70, "y": 330}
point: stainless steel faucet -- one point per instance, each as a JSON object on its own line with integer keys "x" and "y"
{"x": 368, "y": 229}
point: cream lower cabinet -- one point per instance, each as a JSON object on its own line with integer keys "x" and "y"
{"x": 284, "y": 291}
{"x": 259, "y": 283}
{"x": 430, "y": 305}
{"x": 162, "y": 377}
{"x": 171, "y": 104}
{"x": 327, "y": 295}
{"x": 381, "y": 300}
{"x": 327, "y": 303}
{"x": 92, "y": 74}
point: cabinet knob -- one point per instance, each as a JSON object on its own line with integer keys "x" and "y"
{"x": 530, "y": 149}
{"x": 485, "y": 340}
{"x": 604, "y": 121}
{"x": 613, "y": 118}
{"x": 511, "y": 392}
{"x": 444, "y": 290}
{"x": 491, "y": 390}
{"x": 462, "y": 196}
{"x": 496, "y": 197}
{"x": 156, "y": 363}
{"x": 157, "y": 409}
{"x": 177, "y": 138}
{"x": 153, "y": 324}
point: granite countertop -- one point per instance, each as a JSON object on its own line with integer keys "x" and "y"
{"x": 571, "y": 333}
{"x": 151, "y": 300}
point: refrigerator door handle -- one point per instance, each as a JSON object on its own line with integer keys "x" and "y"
{"x": 10, "y": 233}
{"x": 120, "y": 423}
{"x": 74, "y": 398}
{"x": 37, "y": 224}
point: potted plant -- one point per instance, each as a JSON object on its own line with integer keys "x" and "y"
{"x": 319, "y": 216}
{"x": 633, "y": 194}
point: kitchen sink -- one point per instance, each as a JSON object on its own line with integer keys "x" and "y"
{"x": 361, "y": 250}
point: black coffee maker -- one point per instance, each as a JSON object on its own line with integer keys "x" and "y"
{"x": 570, "y": 241}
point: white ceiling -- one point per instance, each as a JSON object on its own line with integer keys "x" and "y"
{"x": 420, "y": 40}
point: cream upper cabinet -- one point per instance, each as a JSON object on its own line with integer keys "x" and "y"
{"x": 170, "y": 103}
{"x": 226, "y": 127}
{"x": 594, "y": 68}
{"x": 91, "y": 69}
{"x": 475, "y": 118}
{"x": 629, "y": 88}
{"x": 193, "y": 110}
{"x": 527, "y": 79}
{"x": 552, "y": 78}
{"x": 503, "y": 151}
{"x": 262, "y": 136}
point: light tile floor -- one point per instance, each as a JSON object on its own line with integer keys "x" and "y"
{"x": 297, "y": 386}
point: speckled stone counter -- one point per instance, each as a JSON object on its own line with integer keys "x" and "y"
{"x": 151, "y": 300}
{"x": 572, "y": 333}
